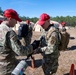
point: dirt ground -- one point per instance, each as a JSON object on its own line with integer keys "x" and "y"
{"x": 66, "y": 58}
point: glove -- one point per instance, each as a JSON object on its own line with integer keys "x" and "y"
{"x": 35, "y": 44}
{"x": 30, "y": 55}
{"x": 38, "y": 50}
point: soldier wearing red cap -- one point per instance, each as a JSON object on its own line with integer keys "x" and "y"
{"x": 49, "y": 45}
{"x": 25, "y": 32}
{"x": 28, "y": 22}
{"x": 64, "y": 37}
{"x": 10, "y": 44}
{"x": 30, "y": 32}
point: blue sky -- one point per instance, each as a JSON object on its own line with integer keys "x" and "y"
{"x": 34, "y": 8}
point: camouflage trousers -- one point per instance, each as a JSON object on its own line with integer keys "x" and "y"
{"x": 6, "y": 68}
{"x": 50, "y": 68}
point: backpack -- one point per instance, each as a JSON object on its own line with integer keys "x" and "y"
{"x": 64, "y": 40}
{"x": 23, "y": 30}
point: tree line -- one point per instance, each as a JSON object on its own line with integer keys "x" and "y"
{"x": 69, "y": 20}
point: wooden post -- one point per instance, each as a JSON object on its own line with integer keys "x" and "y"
{"x": 33, "y": 62}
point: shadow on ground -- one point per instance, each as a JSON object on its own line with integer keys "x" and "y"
{"x": 72, "y": 48}
{"x": 72, "y": 38}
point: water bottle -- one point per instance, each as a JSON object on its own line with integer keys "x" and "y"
{"x": 20, "y": 68}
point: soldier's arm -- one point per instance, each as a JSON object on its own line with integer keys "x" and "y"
{"x": 16, "y": 46}
{"x": 51, "y": 44}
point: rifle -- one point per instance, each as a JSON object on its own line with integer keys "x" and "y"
{"x": 30, "y": 55}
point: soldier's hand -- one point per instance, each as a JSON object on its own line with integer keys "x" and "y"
{"x": 35, "y": 44}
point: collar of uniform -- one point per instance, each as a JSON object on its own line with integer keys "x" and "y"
{"x": 5, "y": 27}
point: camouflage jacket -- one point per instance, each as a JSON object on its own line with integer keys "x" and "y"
{"x": 9, "y": 45}
{"x": 50, "y": 42}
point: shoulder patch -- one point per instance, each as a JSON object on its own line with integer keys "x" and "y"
{"x": 53, "y": 40}
{"x": 49, "y": 33}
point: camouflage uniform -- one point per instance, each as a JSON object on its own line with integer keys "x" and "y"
{"x": 29, "y": 36}
{"x": 9, "y": 45}
{"x": 49, "y": 49}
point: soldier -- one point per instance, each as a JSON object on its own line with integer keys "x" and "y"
{"x": 10, "y": 44}
{"x": 64, "y": 37}
{"x": 23, "y": 34}
{"x": 30, "y": 31}
{"x": 49, "y": 45}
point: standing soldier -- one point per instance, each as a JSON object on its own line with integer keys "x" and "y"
{"x": 64, "y": 37}
{"x": 30, "y": 31}
{"x": 49, "y": 45}
{"x": 25, "y": 33}
{"x": 10, "y": 44}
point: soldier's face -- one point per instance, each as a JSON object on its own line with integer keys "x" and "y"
{"x": 46, "y": 25}
{"x": 13, "y": 22}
